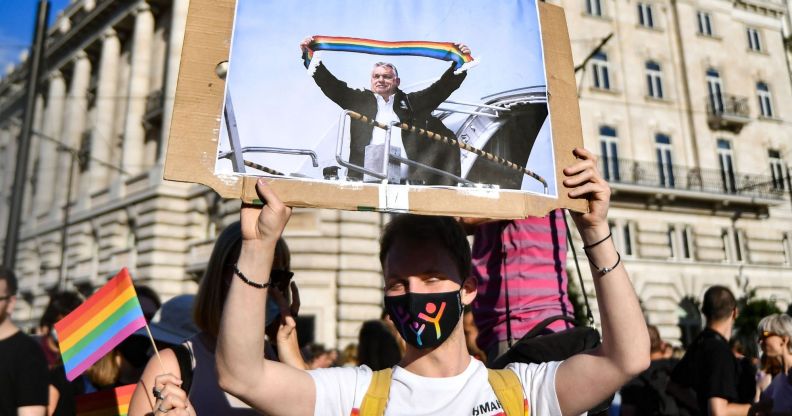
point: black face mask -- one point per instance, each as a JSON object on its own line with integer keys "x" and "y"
{"x": 425, "y": 320}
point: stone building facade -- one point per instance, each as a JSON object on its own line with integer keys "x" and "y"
{"x": 700, "y": 183}
{"x": 689, "y": 106}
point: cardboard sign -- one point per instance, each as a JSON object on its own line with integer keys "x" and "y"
{"x": 455, "y": 108}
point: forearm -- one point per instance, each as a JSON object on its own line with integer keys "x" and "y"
{"x": 240, "y": 344}
{"x": 721, "y": 407}
{"x": 289, "y": 353}
{"x": 625, "y": 340}
{"x": 31, "y": 411}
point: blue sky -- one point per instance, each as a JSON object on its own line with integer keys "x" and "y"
{"x": 278, "y": 104}
{"x": 17, "y": 18}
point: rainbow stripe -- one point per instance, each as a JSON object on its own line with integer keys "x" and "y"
{"x": 106, "y": 403}
{"x": 98, "y": 325}
{"x": 445, "y": 51}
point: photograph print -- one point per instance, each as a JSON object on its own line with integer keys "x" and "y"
{"x": 441, "y": 93}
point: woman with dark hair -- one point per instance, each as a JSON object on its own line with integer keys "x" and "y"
{"x": 377, "y": 347}
{"x": 200, "y": 390}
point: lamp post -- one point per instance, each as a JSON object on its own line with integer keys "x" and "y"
{"x": 23, "y": 151}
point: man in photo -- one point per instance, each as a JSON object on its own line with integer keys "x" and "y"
{"x": 386, "y": 103}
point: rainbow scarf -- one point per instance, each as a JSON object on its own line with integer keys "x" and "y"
{"x": 445, "y": 51}
{"x": 98, "y": 325}
{"x": 113, "y": 402}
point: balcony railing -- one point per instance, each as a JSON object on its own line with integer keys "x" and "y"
{"x": 711, "y": 181}
{"x": 727, "y": 112}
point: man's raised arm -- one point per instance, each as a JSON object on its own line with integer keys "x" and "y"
{"x": 268, "y": 386}
{"x": 584, "y": 380}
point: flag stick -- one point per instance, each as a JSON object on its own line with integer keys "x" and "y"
{"x": 156, "y": 351}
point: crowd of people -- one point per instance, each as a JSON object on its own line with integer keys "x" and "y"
{"x": 449, "y": 313}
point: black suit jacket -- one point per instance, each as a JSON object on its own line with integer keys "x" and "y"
{"x": 414, "y": 108}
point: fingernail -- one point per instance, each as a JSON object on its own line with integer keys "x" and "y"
{"x": 261, "y": 181}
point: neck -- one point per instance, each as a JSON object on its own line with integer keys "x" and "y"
{"x": 386, "y": 97}
{"x": 723, "y": 327}
{"x": 449, "y": 359}
{"x": 7, "y": 328}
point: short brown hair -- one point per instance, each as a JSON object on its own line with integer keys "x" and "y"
{"x": 445, "y": 232}
{"x": 719, "y": 303}
{"x": 213, "y": 289}
{"x": 10, "y": 279}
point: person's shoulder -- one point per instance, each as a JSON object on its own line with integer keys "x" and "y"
{"x": 341, "y": 372}
{"x": 25, "y": 343}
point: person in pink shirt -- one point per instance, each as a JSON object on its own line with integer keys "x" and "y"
{"x": 520, "y": 267}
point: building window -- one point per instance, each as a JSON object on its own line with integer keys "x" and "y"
{"x": 599, "y": 66}
{"x": 754, "y": 40}
{"x": 725, "y": 240}
{"x": 673, "y": 244}
{"x": 654, "y": 79}
{"x": 787, "y": 242}
{"x": 665, "y": 165}
{"x": 704, "y": 23}
{"x": 609, "y": 152}
{"x": 623, "y": 237}
{"x": 714, "y": 91}
{"x": 740, "y": 252}
{"x": 680, "y": 242}
{"x": 734, "y": 245}
{"x": 594, "y": 8}
{"x": 765, "y": 99}
{"x": 776, "y": 169}
{"x": 645, "y": 17}
{"x": 725, "y": 161}
{"x": 687, "y": 242}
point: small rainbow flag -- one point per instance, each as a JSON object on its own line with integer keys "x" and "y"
{"x": 445, "y": 51}
{"x": 99, "y": 324}
{"x": 106, "y": 403}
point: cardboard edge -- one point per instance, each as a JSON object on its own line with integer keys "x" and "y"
{"x": 196, "y": 122}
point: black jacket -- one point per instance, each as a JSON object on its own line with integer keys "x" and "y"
{"x": 414, "y": 108}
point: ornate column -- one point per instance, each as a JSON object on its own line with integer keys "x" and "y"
{"x": 175, "y": 43}
{"x": 134, "y": 132}
{"x": 102, "y": 138}
{"x": 48, "y": 152}
{"x": 74, "y": 123}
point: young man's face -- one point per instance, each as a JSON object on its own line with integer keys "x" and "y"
{"x": 384, "y": 81}
{"x": 419, "y": 268}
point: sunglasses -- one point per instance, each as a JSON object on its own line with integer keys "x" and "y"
{"x": 767, "y": 334}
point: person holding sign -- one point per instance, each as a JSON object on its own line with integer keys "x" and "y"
{"x": 427, "y": 260}
{"x": 386, "y": 103}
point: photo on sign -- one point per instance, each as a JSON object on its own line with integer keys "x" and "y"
{"x": 428, "y": 94}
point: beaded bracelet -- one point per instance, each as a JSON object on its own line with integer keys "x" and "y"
{"x": 248, "y": 281}
{"x": 606, "y": 270}
{"x": 592, "y": 245}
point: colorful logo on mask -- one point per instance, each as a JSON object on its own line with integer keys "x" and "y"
{"x": 412, "y": 313}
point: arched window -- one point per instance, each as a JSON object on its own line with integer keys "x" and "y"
{"x": 714, "y": 91}
{"x": 654, "y": 80}
{"x": 609, "y": 152}
{"x": 665, "y": 165}
{"x": 599, "y": 69}
{"x": 765, "y": 99}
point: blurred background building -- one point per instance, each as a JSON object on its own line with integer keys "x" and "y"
{"x": 688, "y": 103}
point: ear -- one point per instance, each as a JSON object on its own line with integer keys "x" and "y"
{"x": 469, "y": 290}
{"x": 397, "y": 82}
{"x": 10, "y": 305}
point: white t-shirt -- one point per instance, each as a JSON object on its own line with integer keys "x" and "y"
{"x": 386, "y": 115}
{"x": 340, "y": 391}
